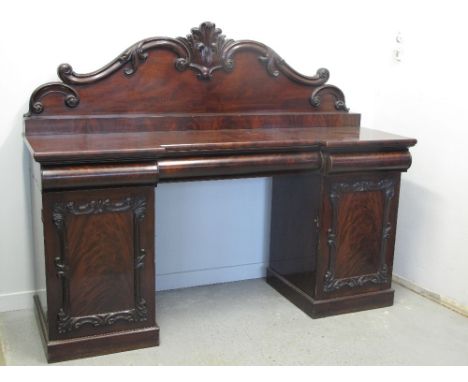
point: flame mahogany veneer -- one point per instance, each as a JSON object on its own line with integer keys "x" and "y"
{"x": 200, "y": 107}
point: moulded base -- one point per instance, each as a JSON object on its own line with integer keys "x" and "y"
{"x": 62, "y": 350}
{"x": 329, "y": 307}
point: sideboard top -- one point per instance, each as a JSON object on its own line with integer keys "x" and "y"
{"x": 198, "y": 95}
{"x": 152, "y": 145}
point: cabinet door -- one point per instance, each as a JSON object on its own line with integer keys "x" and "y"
{"x": 357, "y": 233}
{"x": 100, "y": 260}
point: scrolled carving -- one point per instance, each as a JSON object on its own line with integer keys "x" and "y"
{"x": 274, "y": 64}
{"x": 270, "y": 60}
{"x": 58, "y": 216}
{"x": 181, "y": 64}
{"x": 315, "y": 98}
{"x": 71, "y": 97}
{"x": 206, "y": 42}
{"x": 97, "y": 207}
{"x": 323, "y": 74}
{"x": 330, "y": 283}
{"x": 128, "y": 61}
{"x": 139, "y": 207}
{"x": 67, "y": 323}
{"x": 206, "y": 45}
{"x": 60, "y": 267}
{"x": 385, "y": 185}
{"x": 132, "y": 58}
{"x": 204, "y": 51}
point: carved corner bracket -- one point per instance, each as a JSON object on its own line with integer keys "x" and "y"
{"x": 315, "y": 98}
{"x": 331, "y": 283}
{"x": 65, "y": 321}
{"x": 70, "y": 95}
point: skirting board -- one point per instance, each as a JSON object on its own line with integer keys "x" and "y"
{"x": 444, "y": 301}
{"x": 17, "y": 301}
{"x": 209, "y": 276}
{"x": 176, "y": 280}
{"x": 24, "y": 300}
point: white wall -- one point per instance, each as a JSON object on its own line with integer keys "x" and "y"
{"x": 422, "y": 96}
{"x": 425, "y": 97}
{"x": 209, "y": 232}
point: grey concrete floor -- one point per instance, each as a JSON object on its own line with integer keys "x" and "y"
{"x": 249, "y": 323}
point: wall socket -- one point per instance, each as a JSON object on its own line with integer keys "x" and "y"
{"x": 398, "y": 51}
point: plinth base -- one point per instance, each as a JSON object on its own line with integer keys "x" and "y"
{"x": 329, "y": 307}
{"x": 67, "y": 349}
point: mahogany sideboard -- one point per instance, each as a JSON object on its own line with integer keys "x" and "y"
{"x": 200, "y": 107}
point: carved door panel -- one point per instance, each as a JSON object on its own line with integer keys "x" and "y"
{"x": 100, "y": 260}
{"x": 357, "y": 234}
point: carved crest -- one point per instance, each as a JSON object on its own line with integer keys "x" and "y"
{"x": 206, "y": 42}
{"x": 204, "y": 51}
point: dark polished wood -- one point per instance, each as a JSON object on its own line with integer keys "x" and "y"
{"x": 103, "y": 147}
{"x": 100, "y": 175}
{"x": 327, "y": 307}
{"x": 66, "y": 349}
{"x": 126, "y": 123}
{"x": 201, "y": 107}
{"x": 99, "y": 243}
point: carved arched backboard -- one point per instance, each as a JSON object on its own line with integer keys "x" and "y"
{"x": 202, "y": 73}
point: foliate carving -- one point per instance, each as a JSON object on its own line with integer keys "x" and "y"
{"x": 139, "y": 207}
{"x": 274, "y": 64}
{"x": 387, "y": 186}
{"x": 271, "y": 60}
{"x": 132, "y": 59}
{"x": 206, "y": 44}
{"x": 315, "y": 98}
{"x": 128, "y": 61}
{"x": 71, "y": 97}
{"x": 60, "y": 267}
{"x": 387, "y": 230}
{"x": 332, "y": 284}
{"x": 206, "y": 41}
{"x": 204, "y": 51}
{"x": 96, "y": 207}
{"x": 67, "y": 323}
